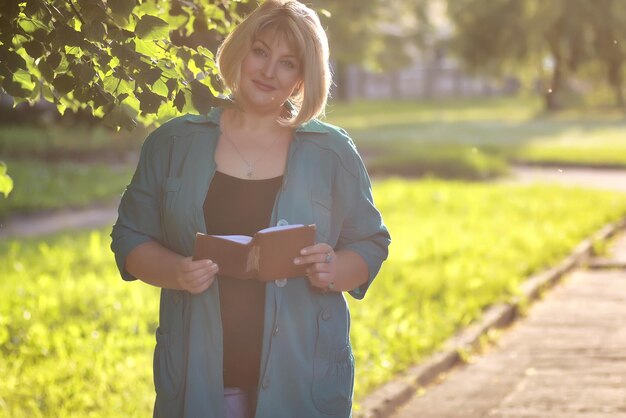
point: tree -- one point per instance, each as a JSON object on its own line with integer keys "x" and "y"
{"x": 122, "y": 60}
{"x": 608, "y": 18}
{"x": 494, "y": 35}
{"x": 371, "y": 33}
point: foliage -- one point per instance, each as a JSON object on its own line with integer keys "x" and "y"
{"x": 6, "y": 182}
{"x": 122, "y": 60}
{"x": 44, "y": 186}
{"x": 75, "y": 340}
{"x": 555, "y": 39}
{"x": 371, "y": 33}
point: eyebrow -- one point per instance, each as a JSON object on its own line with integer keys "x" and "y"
{"x": 268, "y": 47}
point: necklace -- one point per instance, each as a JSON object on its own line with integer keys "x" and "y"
{"x": 249, "y": 165}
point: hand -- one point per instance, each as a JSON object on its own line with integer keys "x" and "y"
{"x": 322, "y": 269}
{"x": 195, "y": 276}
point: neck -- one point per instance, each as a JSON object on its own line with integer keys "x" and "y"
{"x": 244, "y": 121}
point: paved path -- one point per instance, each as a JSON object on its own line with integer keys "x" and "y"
{"x": 44, "y": 224}
{"x": 585, "y": 177}
{"x": 566, "y": 359}
{"x": 98, "y": 217}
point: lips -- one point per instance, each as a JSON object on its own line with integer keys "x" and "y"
{"x": 263, "y": 86}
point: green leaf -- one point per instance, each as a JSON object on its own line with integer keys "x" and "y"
{"x": 6, "y": 182}
{"x": 94, "y": 31}
{"x": 172, "y": 85}
{"x": 149, "y": 76}
{"x": 122, "y": 8}
{"x": 46, "y": 71}
{"x": 92, "y": 12}
{"x": 14, "y": 88}
{"x": 151, "y": 27}
{"x": 119, "y": 116}
{"x": 160, "y": 88}
{"x": 125, "y": 52}
{"x": 54, "y": 60}
{"x": 100, "y": 97}
{"x": 12, "y": 59}
{"x": 64, "y": 83}
{"x": 201, "y": 97}
{"x": 32, "y": 25}
{"x": 25, "y": 78}
{"x": 179, "y": 101}
{"x": 68, "y": 36}
{"x": 148, "y": 48}
{"x": 84, "y": 72}
{"x": 150, "y": 102}
{"x": 33, "y": 48}
{"x": 10, "y": 9}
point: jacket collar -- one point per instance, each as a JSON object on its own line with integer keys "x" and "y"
{"x": 213, "y": 118}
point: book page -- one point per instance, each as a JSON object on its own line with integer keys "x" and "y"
{"x": 242, "y": 239}
{"x": 279, "y": 228}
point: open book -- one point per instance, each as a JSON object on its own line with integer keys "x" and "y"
{"x": 266, "y": 256}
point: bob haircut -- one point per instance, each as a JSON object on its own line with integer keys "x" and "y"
{"x": 300, "y": 27}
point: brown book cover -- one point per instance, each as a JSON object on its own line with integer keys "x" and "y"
{"x": 266, "y": 256}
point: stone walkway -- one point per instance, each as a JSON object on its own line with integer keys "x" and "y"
{"x": 608, "y": 179}
{"x": 566, "y": 359}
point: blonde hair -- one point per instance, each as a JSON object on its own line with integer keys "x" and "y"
{"x": 301, "y": 28}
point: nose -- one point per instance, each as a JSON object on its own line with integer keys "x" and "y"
{"x": 269, "y": 68}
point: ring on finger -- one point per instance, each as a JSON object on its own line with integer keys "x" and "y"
{"x": 329, "y": 257}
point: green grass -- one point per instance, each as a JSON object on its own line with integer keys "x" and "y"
{"x": 75, "y": 340}
{"x": 59, "y": 142}
{"x": 456, "y": 249}
{"x": 42, "y": 186}
{"x": 406, "y": 134}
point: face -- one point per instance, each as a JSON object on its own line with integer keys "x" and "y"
{"x": 270, "y": 73}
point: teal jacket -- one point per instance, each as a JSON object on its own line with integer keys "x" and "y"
{"x": 307, "y": 366}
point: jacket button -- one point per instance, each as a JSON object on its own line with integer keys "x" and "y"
{"x": 275, "y": 331}
{"x": 266, "y": 383}
{"x": 326, "y": 315}
{"x": 282, "y": 222}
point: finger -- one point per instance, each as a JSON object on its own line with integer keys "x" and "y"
{"x": 321, "y": 248}
{"x": 199, "y": 275}
{"x": 202, "y": 285}
{"x": 318, "y": 258}
{"x": 321, "y": 279}
{"x": 189, "y": 266}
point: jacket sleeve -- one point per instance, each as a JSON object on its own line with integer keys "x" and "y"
{"x": 363, "y": 230}
{"x": 139, "y": 219}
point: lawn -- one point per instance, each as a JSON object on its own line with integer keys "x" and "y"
{"x": 75, "y": 340}
{"x": 41, "y": 186}
{"x": 494, "y": 131}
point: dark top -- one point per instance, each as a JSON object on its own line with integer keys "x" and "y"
{"x": 235, "y": 206}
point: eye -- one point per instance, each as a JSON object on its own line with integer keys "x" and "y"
{"x": 288, "y": 64}
{"x": 259, "y": 51}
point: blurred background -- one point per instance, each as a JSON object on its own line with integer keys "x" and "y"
{"x": 495, "y": 134}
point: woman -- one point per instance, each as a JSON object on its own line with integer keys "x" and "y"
{"x": 233, "y": 348}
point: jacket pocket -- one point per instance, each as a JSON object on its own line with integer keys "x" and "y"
{"x": 333, "y": 372}
{"x": 168, "y": 367}
{"x": 171, "y": 186}
{"x": 322, "y": 211}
